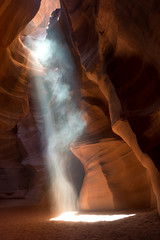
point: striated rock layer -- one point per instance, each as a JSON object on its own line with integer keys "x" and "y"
{"x": 110, "y": 38}
{"x": 14, "y": 103}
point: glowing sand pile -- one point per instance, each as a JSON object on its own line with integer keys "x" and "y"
{"x": 77, "y": 217}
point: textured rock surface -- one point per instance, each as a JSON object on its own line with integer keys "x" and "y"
{"x": 14, "y": 104}
{"x": 115, "y": 44}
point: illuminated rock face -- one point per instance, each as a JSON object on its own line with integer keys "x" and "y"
{"x": 14, "y": 103}
{"x": 122, "y": 87}
{"x": 118, "y": 46}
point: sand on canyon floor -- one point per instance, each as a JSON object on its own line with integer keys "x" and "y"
{"x": 20, "y": 222}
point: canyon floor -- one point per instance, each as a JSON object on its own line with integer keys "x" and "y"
{"x": 26, "y": 222}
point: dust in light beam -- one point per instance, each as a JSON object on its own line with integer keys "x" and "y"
{"x": 60, "y": 115}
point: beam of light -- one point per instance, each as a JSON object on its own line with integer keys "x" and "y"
{"x": 77, "y": 217}
{"x": 59, "y": 115}
{"x": 43, "y": 50}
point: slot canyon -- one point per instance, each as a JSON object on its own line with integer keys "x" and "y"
{"x": 79, "y": 119}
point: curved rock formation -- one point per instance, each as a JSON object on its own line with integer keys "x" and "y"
{"x": 114, "y": 45}
{"x": 14, "y": 104}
